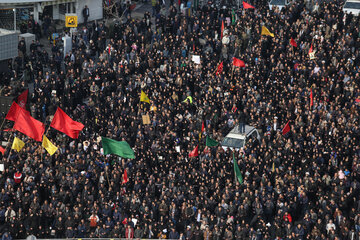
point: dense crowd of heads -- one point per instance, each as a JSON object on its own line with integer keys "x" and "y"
{"x": 304, "y": 185}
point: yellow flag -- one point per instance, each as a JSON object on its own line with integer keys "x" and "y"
{"x": 189, "y": 98}
{"x": 51, "y": 148}
{"x": 273, "y": 167}
{"x": 266, "y": 32}
{"x": 144, "y": 97}
{"x": 17, "y": 144}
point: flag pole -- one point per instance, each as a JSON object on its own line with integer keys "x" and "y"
{"x": 41, "y": 147}
{"x": 9, "y": 144}
{"x": 216, "y": 68}
{"x": 1, "y": 129}
{"x": 235, "y": 177}
{"x": 233, "y": 152}
{"x": 8, "y": 158}
{"x": 107, "y": 176}
{"x": 47, "y": 130}
{"x": 273, "y": 167}
{"x": 2, "y": 123}
{"x": 232, "y": 72}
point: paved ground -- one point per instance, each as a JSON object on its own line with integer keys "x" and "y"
{"x": 140, "y": 9}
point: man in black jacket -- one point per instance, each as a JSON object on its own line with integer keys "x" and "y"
{"x": 86, "y": 14}
{"x": 242, "y": 121}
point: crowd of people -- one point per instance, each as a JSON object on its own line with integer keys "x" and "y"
{"x": 302, "y": 185}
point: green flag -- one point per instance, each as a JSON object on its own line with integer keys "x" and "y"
{"x": 121, "y": 149}
{"x": 237, "y": 170}
{"x": 211, "y": 142}
{"x": 233, "y": 17}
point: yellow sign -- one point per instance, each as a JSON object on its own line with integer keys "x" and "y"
{"x": 71, "y": 21}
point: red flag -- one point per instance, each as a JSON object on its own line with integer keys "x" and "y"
{"x": 311, "y": 49}
{"x": 2, "y": 150}
{"x": 29, "y": 126}
{"x": 22, "y": 99}
{"x": 246, "y": 5}
{"x": 14, "y": 112}
{"x": 63, "y": 123}
{"x": 125, "y": 177}
{"x": 132, "y": 7}
{"x": 219, "y": 68}
{"x": 238, "y": 63}
{"x": 222, "y": 28}
{"x": 8, "y": 130}
{"x": 357, "y": 100}
{"x": 124, "y": 221}
{"x": 296, "y": 66}
{"x": 286, "y": 129}
{"x": 202, "y": 127}
{"x": 195, "y": 152}
{"x": 311, "y": 98}
{"x": 293, "y": 43}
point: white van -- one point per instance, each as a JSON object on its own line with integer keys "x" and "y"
{"x": 236, "y": 140}
{"x": 278, "y": 3}
{"x": 352, "y": 6}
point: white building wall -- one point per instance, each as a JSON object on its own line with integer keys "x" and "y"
{"x": 56, "y": 14}
{"x": 95, "y": 8}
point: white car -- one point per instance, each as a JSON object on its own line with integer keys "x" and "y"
{"x": 236, "y": 140}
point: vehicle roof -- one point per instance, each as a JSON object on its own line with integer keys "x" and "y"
{"x": 236, "y": 136}
{"x": 236, "y": 130}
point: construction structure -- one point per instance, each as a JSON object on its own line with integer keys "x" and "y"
{"x": 56, "y": 9}
{"x": 8, "y": 44}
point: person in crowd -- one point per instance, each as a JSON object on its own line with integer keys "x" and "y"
{"x": 129, "y": 232}
{"x": 86, "y": 14}
{"x": 297, "y": 182}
